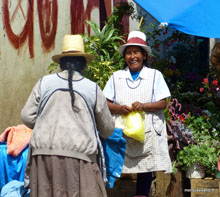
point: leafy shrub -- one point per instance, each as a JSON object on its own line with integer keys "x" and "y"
{"x": 104, "y": 45}
{"x": 203, "y": 154}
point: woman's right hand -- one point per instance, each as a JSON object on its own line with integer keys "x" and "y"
{"x": 118, "y": 109}
{"x": 124, "y": 109}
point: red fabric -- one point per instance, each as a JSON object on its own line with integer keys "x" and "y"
{"x": 17, "y": 137}
{"x": 136, "y": 40}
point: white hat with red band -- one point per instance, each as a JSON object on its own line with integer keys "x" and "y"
{"x": 136, "y": 38}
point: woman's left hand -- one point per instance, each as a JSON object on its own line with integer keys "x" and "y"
{"x": 137, "y": 106}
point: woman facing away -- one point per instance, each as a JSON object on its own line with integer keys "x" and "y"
{"x": 139, "y": 88}
{"x": 65, "y": 111}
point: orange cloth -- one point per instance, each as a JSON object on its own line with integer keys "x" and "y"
{"x": 17, "y": 137}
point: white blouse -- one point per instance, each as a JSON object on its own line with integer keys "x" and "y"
{"x": 160, "y": 91}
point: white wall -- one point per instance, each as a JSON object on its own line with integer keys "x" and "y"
{"x": 23, "y": 64}
{"x": 20, "y": 71}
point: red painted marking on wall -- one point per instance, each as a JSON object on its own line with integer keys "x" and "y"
{"x": 48, "y": 19}
{"x": 16, "y": 10}
{"x": 108, "y": 6}
{"x": 27, "y": 32}
{"x": 79, "y": 15}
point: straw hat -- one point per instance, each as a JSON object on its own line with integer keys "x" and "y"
{"x": 73, "y": 45}
{"x": 136, "y": 38}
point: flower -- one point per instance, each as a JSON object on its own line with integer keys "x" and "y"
{"x": 215, "y": 82}
{"x": 181, "y": 117}
{"x": 201, "y": 89}
{"x": 210, "y": 88}
{"x": 206, "y": 80}
{"x": 175, "y": 111}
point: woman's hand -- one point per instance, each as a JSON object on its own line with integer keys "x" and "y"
{"x": 137, "y": 106}
{"x": 124, "y": 109}
{"x": 118, "y": 109}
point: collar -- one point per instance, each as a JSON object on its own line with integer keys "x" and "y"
{"x": 127, "y": 75}
{"x": 76, "y": 75}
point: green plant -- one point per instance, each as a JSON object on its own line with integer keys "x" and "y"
{"x": 195, "y": 138}
{"x": 200, "y": 128}
{"x": 104, "y": 44}
{"x": 174, "y": 167}
{"x": 203, "y": 154}
{"x": 53, "y": 67}
{"x": 205, "y": 147}
{"x": 205, "y": 128}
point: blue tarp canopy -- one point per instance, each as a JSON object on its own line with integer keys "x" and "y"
{"x": 194, "y": 17}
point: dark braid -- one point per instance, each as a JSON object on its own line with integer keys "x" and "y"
{"x": 70, "y": 75}
{"x": 72, "y": 63}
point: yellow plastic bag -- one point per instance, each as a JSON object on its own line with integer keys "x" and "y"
{"x": 132, "y": 125}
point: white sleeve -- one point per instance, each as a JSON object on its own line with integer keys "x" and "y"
{"x": 109, "y": 89}
{"x": 161, "y": 89}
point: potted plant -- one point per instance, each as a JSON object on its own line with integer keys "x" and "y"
{"x": 201, "y": 157}
{"x": 202, "y": 153}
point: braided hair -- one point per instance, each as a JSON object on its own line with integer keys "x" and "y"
{"x": 71, "y": 64}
